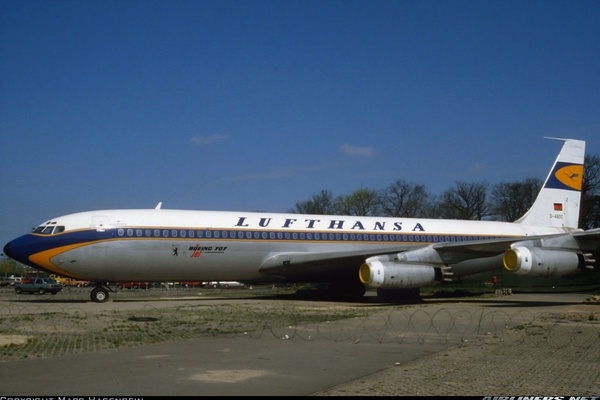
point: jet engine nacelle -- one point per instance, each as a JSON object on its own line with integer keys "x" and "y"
{"x": 540, "y": 262}
{"x": 393, "y": 275}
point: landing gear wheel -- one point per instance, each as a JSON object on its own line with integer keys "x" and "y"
{"x": 99, "y": 295}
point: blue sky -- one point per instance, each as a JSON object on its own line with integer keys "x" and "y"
{"x": 256, "y": 105}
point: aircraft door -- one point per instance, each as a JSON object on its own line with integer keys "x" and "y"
{"x": 100, "y": 222}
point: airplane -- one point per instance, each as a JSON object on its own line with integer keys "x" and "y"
{"x": 395, "y": 255}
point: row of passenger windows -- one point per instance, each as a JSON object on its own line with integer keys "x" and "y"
{"x": 265, "y": 235}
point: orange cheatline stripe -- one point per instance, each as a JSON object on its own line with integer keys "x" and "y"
{"x": 43, "y": 258}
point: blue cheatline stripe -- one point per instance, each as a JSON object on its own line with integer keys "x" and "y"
{"x": 302, "y": 236}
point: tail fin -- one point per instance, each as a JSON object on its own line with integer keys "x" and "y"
{"x": 557, "y": 204}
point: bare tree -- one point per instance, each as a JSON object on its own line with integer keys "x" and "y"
{"x": 589, "y": 216}
{"x": 403, "y": 199}
{"x": 361, "y": 202}
{"x": 508, "y": 201}
{"x": 511, "y": 200}
{"x": 465, "y": 201}
{"x": 320, "y": 203}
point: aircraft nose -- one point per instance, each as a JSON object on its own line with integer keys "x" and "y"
{"x": 7, "y": 250}
{"x": 17, "y": 249}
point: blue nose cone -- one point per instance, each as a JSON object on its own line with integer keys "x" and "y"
{"x": 19, "y": 249}
{"x": 7, "y": 250}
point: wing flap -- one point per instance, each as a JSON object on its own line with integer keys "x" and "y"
{"x": 303, "y": 262}
{"x": 478, "y": 247}
{"x": 592, "y": 234}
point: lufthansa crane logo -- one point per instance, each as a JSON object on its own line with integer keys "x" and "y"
{"x": 566, "y": 176}
{"x": 570, "y": 175}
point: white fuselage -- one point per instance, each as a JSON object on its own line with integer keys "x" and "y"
{"x": 161, "y": 244}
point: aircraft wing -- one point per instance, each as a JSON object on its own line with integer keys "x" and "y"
{"x": 584, "y": 241}
{"x": 477, "y": 248}
{"x": 297, "y": 264}
{"x": 333, "y": 263}
{"x": 287, "y": 262}
{"x": 300, "y": 263}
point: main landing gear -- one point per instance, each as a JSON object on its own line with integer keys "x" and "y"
{"x": 100, "y": 293}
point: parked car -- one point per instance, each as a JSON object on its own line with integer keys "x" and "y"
{"x": 190, "y": 284}
{"x": 225, "y": 284}
{"x": 75, "y": 283}
{"x": 38, "y": 285}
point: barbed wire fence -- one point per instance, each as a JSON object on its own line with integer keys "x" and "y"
{"x": 35, "y": 330}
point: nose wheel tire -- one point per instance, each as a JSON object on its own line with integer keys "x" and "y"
{"x": 99, "y": 295}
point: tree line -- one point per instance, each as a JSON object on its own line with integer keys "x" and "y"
{"x": 506, "y": 201}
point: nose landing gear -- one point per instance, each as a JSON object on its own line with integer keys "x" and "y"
{"x": 100, "y": 293}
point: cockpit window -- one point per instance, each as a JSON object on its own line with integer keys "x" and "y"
{"x": 49, "y": 229}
